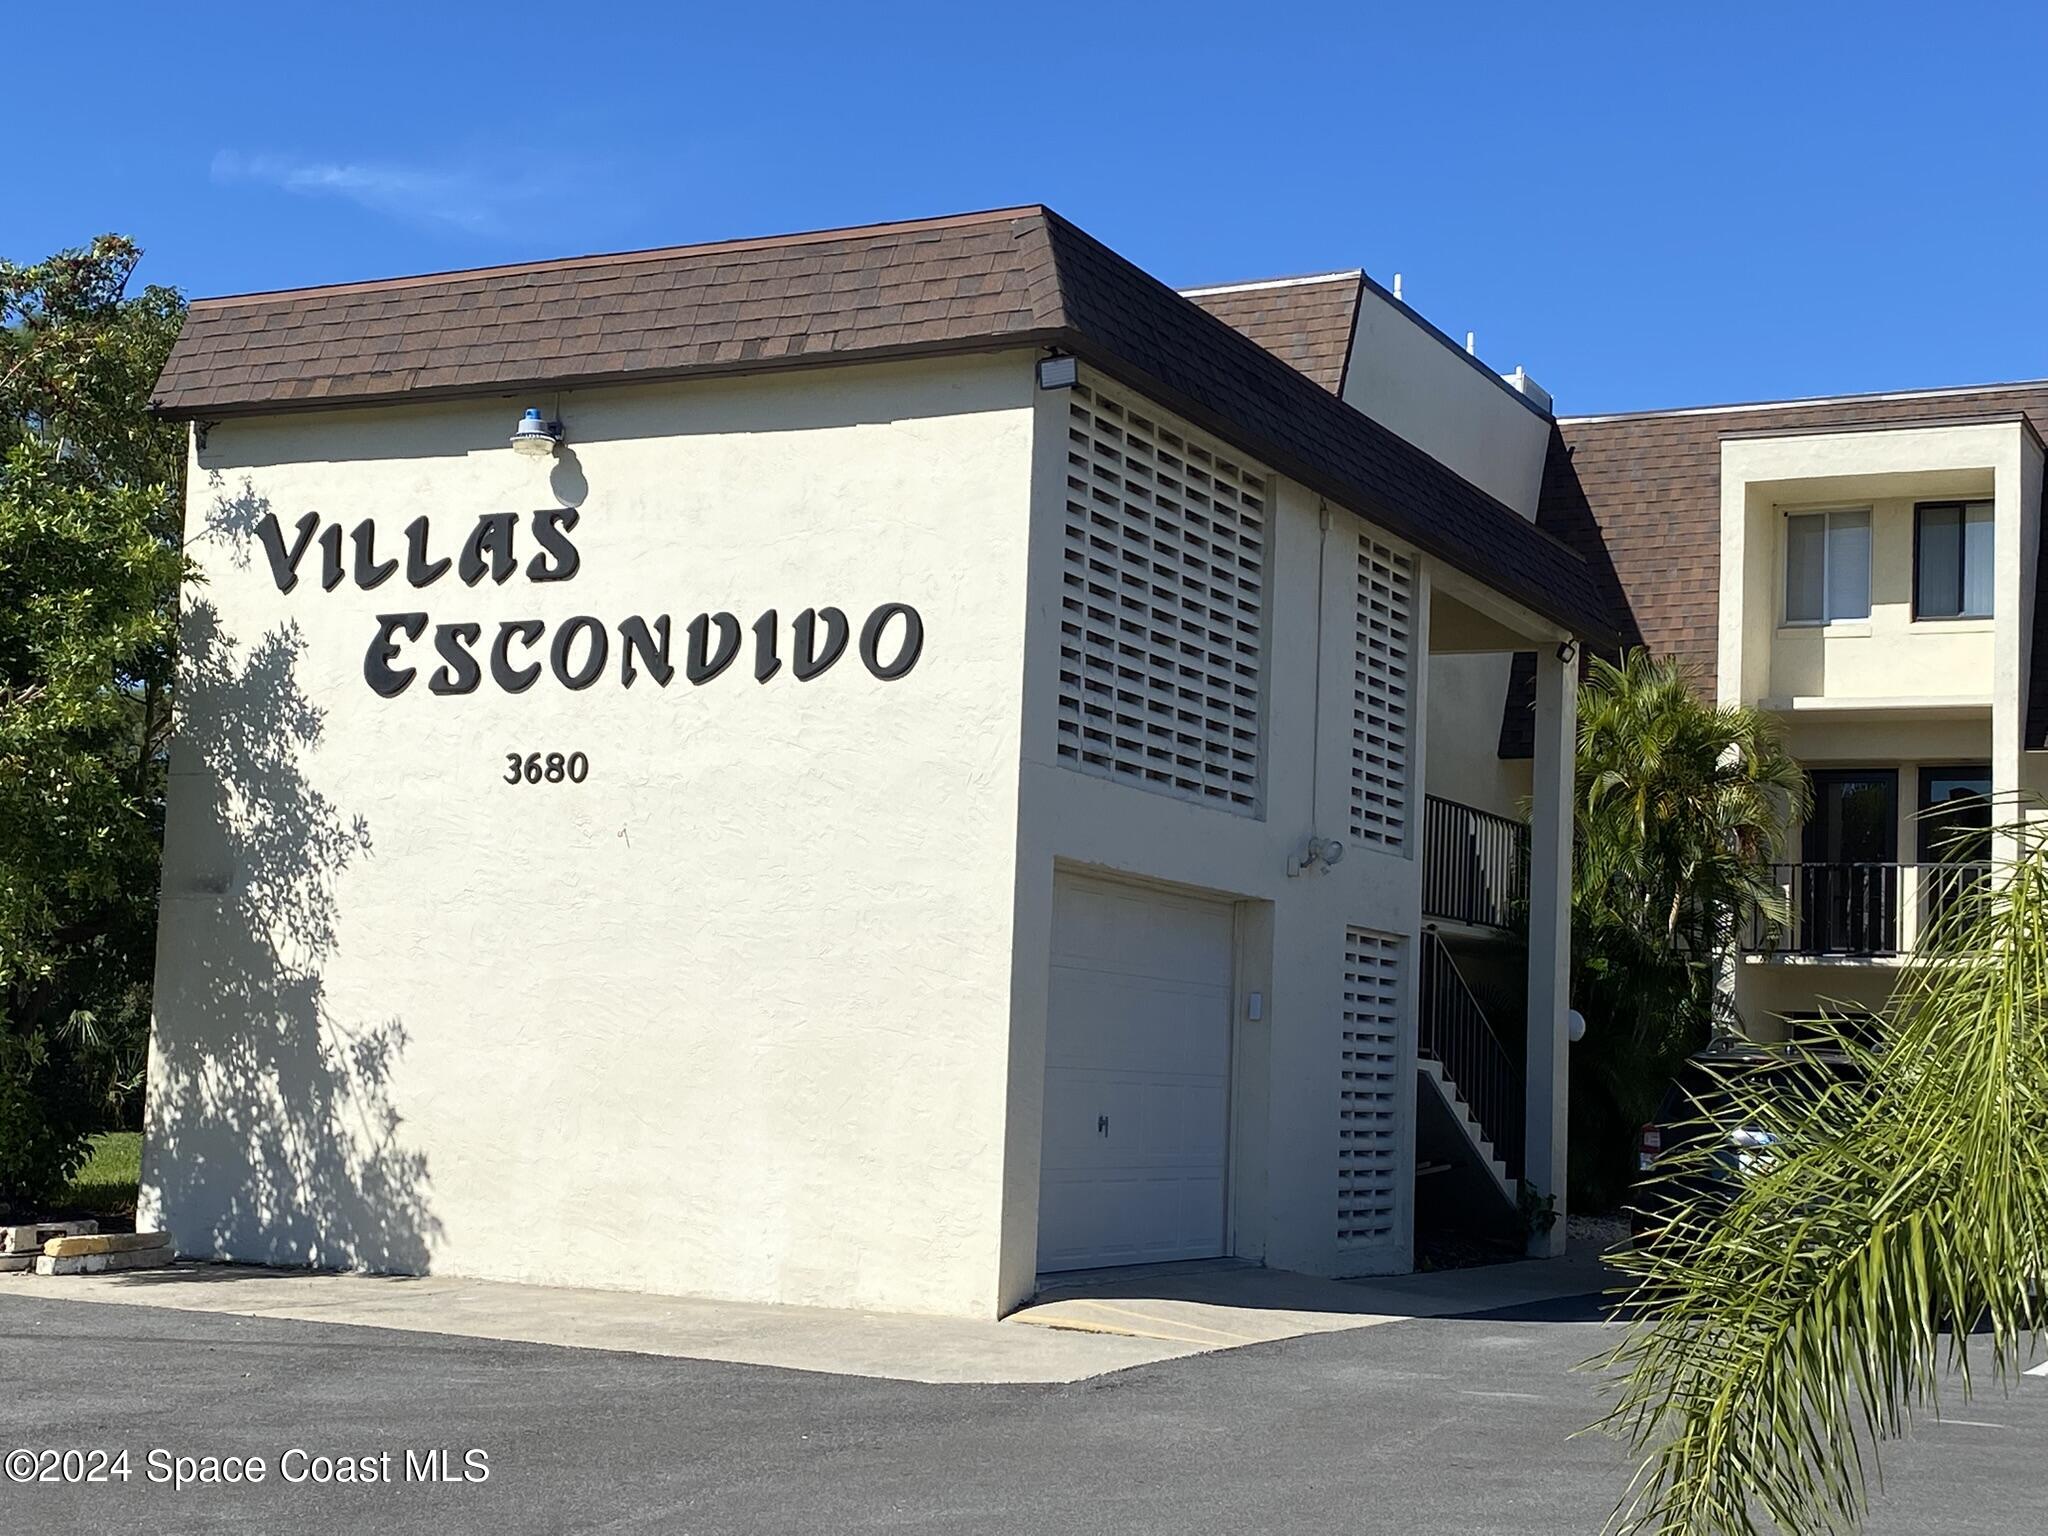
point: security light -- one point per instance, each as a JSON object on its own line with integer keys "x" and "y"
{"x": 534, "y": 436}
{"x": 1317, "y": 853}
{"x": 1060, "y": 372}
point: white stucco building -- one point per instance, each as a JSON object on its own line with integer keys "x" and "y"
{"x": 860, "y": 822}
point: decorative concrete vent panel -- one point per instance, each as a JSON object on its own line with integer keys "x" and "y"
{"x": 1382, "y": 682}
{"x": 1369, "y": 1097}
{"x": 1163, "y": 605}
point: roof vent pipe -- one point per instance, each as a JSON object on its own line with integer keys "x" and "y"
{"x": 1397, "y": 288}
{"x": 1471, "y": 343}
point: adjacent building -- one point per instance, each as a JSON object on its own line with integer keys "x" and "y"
{"x": 1865, "y": 569}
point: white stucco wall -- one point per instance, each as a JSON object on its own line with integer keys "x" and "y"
{"x": 1406, "y": 376}
{"x": 1291, "y": 931}
{"x": 731, "y": 1016}
{"x": 1410, "y": 380}
{"x": 1465, "y": 706}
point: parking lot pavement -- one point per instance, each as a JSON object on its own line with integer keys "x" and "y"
{"x": 1438, "y": 1425}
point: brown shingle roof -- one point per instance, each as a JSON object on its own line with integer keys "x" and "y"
{"x": 736, "y": 305}
{"x": 1640, "y": 497}
{"x": 1307, "y": 322}
{"x": 1016, "y": 277}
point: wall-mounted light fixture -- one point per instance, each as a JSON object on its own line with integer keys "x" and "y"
{"x": 1318, "y": 853}
{"x": 1059, "y": 372}
{"x": 535, "y": 436}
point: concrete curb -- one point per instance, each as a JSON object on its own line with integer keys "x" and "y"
{"x": 104, "y": 1242}
{"x": 99, "y": 1263}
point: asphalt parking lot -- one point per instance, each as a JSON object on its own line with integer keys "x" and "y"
{"x": 1437, "y": 1425}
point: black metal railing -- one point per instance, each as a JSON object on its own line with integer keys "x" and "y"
{"x": 1475, "y": 864}
{"x": 1861, "y": 910}
{"x": 1455, "y": 1035}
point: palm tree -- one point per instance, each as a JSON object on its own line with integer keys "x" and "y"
{"x": 1681, "y": 804}
{"x": 1681, "y": 807}
{"x": 1788, "y": 1324}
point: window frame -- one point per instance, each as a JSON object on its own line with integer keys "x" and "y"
{"x": 1927, "y": 829}
{"x": 1961, "y": 506}
{"x": 1826, "y": 514}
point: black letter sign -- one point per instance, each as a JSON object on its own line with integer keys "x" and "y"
{"x": 419, "y": 570}
{"x": 634, "y": 636}
{"x": 370, "y": 571}
{"x": 550, "y": 529}
{"x": 461, "y": 674}
{"x": 810, "y": 660}
{"x": 492, "y": 536}
{"x": 871, "y": 640}
{"x": 702, "y": 664}
{"x": 378, "y": 672}
{"x": 284, "y": 564}
{"x": 508, "y": 677}
{"x": 579, "y": 649}
{"x": 558, "y": 654}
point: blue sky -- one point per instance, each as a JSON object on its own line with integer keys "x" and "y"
{"x": 1644, "y": 204}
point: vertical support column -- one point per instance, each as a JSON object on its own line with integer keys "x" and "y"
{"x": 1550, "y": 937}
{"x": 1420, "y": 683}
{"x": 2016, "y": 503}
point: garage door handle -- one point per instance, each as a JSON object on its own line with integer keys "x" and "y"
{"x": 1102, "y": 1125}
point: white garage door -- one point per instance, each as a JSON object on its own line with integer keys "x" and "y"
{"x": 1137, "y": 1075}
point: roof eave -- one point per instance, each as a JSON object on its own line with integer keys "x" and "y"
{"x": 225, "y": 407}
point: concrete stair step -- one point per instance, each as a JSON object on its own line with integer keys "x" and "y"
{"x": 1467, "y": 1123}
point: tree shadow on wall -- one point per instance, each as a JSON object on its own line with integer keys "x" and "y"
{"x": 231, "y": 519}
{"x": 272, "y": 1137}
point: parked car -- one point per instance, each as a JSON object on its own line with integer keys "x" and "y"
{"x": 1696, "y": 1108}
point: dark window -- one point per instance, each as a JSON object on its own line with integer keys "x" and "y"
{"x": 1955, "y": 814}
{"x": 1954, "y": 837}
{"x": 1952, "y": 560}
{"x": 1848, "y": 897}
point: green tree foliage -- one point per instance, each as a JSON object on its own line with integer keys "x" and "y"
{"x": 1786, "y": 1325}
{"x": 90, "y": 497}
{"x": 1681, "y": 806}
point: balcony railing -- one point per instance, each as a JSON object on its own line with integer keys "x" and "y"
{"x": 1861, "y": 911}
{"x": 1475, "y": 865}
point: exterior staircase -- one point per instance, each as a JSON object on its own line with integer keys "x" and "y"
{"x": 1432, "y": 1073}
{"x": 1474, "y": 1080}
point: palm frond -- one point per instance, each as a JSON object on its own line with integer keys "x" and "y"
{"x": 1783, "y": 1331}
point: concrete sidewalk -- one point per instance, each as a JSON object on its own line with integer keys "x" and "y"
{"x": 1223, "y": 1304}
{"x": 1084, "y": 1326}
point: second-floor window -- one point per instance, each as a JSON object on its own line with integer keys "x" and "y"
{"x": 1952, "y": 560}
{"x": 1827, "y": 566}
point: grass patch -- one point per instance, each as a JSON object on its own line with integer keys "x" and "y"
{"x": 105, "y": 1186}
